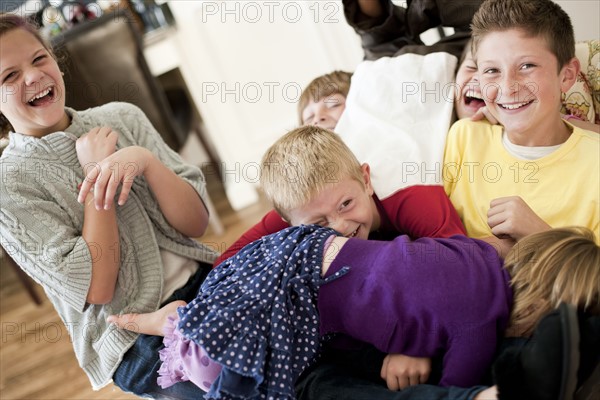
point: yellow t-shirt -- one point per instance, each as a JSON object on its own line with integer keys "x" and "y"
{"x": 562, "y": 188}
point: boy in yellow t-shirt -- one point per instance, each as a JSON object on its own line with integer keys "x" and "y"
{"x": 535, "y": 171}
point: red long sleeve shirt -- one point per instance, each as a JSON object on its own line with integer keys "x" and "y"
{"x": 417, "y": 211}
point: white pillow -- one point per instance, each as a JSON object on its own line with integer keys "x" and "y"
{"x": 398, "y": 113}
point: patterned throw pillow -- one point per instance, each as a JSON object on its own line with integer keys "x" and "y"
{"x": 583, "y": 99}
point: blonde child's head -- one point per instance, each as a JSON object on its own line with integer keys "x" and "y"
{"x": 536, "y": 18}
{"x": 328, "y": 91}
{"x": 547, "y": 268}
{"x": 303, "y": 163}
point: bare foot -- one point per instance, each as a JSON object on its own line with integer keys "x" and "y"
{"x": 150, "y": 323}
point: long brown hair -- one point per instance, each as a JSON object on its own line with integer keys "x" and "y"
{"x": 547, "y": 268}
{"x": 9, "y": 22}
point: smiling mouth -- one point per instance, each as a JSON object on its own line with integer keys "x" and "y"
{"x": 472, "y": 98}
{"x": 514, "y": 106}
{"x": 43, "y": 97}
{"x": 353, "y": 234}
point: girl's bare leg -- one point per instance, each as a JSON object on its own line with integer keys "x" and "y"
{"x": 150, "y": 323}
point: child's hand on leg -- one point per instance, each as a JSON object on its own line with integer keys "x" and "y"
{"x": 490, "y": 393}
{"x": 400, "y": 371}
{"x": 150, "y": 323}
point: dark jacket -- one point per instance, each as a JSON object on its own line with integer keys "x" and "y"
{"x": 398, "y": 30}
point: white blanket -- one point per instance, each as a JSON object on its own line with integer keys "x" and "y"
{"x": 397, "y": 116}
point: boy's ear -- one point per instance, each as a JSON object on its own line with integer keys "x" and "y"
{"x": 568, "y": 74}
{"x": 366, "y": 171}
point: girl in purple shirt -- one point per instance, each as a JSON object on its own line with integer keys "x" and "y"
{"x": 259, "y": 317}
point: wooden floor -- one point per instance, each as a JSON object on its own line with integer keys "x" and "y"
{"x": 36, "y": 355}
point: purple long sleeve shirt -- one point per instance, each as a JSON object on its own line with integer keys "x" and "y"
{"x": 421, "y": 298}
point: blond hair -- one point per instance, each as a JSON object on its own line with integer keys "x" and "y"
{"x": 302, "y": 163}
{"x": 537, "y": 18}
{"x": 336, "y": 82}
{"x": 547, "y": 268}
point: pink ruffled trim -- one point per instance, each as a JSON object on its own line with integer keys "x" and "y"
{"x": 171, "y": 370}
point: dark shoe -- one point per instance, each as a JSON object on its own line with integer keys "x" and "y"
{"x": 545, "y": 368}
{"x": 589, "y": 367}
{"x": 590, "y": 390}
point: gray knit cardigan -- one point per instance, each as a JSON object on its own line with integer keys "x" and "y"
{"x": 41, "y": 224}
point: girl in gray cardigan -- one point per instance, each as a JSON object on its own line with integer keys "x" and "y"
{"x": 98, "y": 210}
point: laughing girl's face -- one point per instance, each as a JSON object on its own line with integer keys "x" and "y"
{"x": 468, "y": 98}
{"x": 31, "y": 85}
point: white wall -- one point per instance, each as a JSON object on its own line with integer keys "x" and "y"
{"x": 585, "y": 16}
{"x": 246, "y": 62}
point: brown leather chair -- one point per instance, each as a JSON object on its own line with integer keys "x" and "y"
{"x": 104, "y": 62}
{"x": 27, "y": 282}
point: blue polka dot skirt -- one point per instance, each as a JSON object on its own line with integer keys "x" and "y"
{"x": 256, "y": 314}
